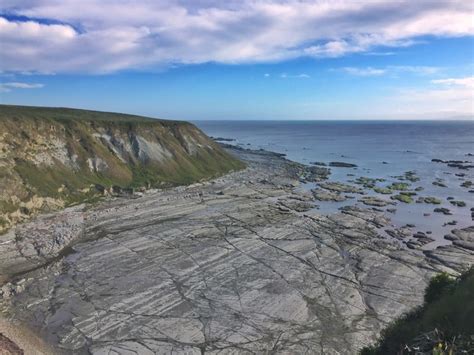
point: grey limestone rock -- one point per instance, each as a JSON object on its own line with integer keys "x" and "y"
{"x": 221, "y": 267}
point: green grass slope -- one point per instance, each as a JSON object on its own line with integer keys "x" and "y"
{"x": 444, "y": 324}
{"x": 54, "y": 157}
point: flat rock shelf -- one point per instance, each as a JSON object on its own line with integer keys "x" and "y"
{"x": 240, "y": 264}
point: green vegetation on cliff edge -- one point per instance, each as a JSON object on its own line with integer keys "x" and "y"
{"x": 444, "y": 324}
{"x": 55, "y": 157}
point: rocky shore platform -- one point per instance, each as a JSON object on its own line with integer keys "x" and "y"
{"x": 240, "y": 264}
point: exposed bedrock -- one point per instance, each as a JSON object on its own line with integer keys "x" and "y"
{"x": 457, "y": 255}
{"x": 34, "y": 245}
{"x": 236, "y": 265}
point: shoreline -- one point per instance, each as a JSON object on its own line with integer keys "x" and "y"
{"x": 263, "y": 209}
{"x": 422, "y": 206}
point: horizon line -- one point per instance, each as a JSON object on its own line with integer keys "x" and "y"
{"x": 452, "y": 119}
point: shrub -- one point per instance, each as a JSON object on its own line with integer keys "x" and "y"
{"x": 439, "y": 285}
{"x": 443, "y": 325}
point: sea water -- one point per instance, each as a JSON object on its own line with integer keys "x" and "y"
{"x": 380, "y": 149}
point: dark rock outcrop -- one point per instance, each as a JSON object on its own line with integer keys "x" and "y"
{"x": 339, "y": 164}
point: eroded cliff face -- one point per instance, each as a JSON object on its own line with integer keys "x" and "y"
{"x": 51, "y": 158}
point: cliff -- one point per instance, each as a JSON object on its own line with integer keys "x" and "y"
{"x": 55, "y": 157}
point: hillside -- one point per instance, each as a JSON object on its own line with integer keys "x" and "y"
{"x": 54, "y": 157}
{"x": 442, "y": 325}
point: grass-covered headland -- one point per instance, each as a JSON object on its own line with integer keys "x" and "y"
{"x": 54, "y": 157}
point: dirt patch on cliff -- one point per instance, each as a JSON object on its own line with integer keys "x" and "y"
{"x": 8, "y": 347}
{"x": 16, "y": 339}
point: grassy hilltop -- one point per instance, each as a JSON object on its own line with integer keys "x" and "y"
{"x": 54, "y": 157}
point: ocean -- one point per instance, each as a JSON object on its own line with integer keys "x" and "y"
{"x": 380, "y": 149}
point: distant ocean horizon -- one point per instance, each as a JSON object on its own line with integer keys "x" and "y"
{"x": 290, "y": 136}
{"x": 446, "y": 120}
{"x": 367, "y": 143}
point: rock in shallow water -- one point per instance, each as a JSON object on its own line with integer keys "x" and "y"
{"x": 340, "y": 187}
{"x": 339, "y": 164}
{"x": 375, "y": 201}
{"x": 324, "y": 195}
{"x": 457, "y": 256}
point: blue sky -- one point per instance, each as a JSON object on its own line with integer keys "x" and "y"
{"x": 242, "y": 60}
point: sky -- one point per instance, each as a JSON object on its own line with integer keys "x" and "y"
{"x": 238, "y": 60}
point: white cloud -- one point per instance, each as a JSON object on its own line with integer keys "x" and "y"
{"x": 454, "y": 96}
{"x": 467, "y": 82}
{"x": 294, "y": 76}
{"x": 369, "y": 71}
{"x": 380, "y": 54}
{"x": 420, "y": 70}
{"x": 6, "y": 87}
{"x": 110, "y": 35}
{"x": 391, "y": 69}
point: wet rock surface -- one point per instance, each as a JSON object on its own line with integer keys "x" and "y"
{"x": 460, "y": 164}
{"x": 324, "y": 195}
{"x": 375, "y": 201}
{"x": 340, "y": 187}
{"x": 240, "y": 264}
{"x": 429, "y": 200}
{"x": 315, "y": 173}
{"x": 340, "y": 164}
{"x": 443, "y": 210}
{"x": 463, "y": 238}
{"x": 459, "y": 253}
{"x": 399, "y": 233}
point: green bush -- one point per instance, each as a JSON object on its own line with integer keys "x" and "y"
{"x": 438, "y": 286}
{"x": 442, "y": 324}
